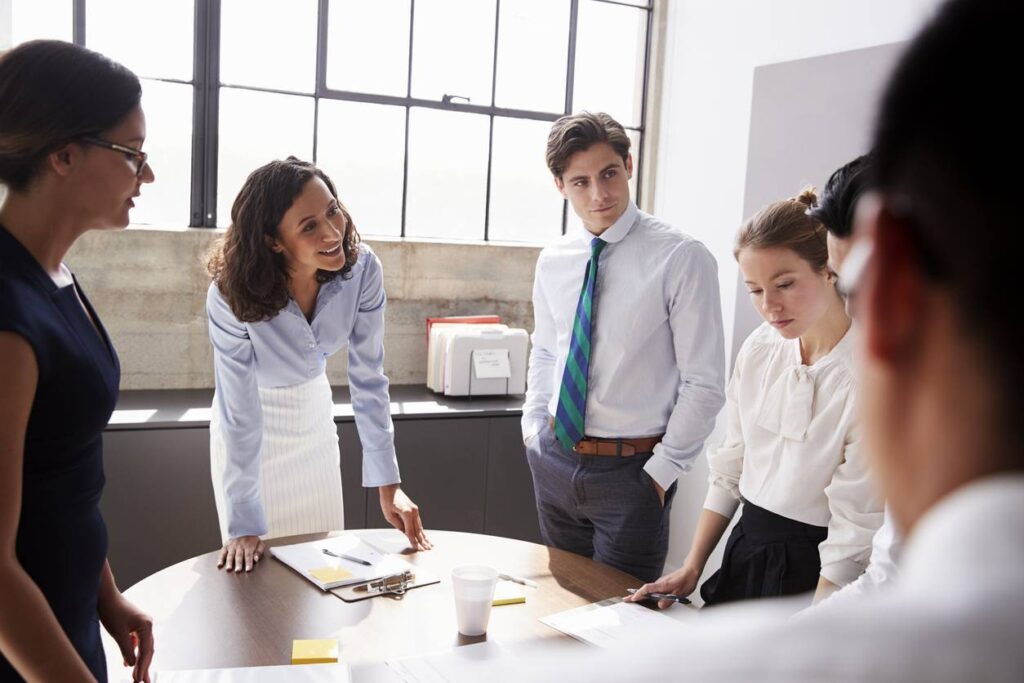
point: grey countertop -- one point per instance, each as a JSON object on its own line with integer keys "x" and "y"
{"x": 185, "y": 408}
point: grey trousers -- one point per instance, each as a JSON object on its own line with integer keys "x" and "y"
{"x": 601, "y": 507}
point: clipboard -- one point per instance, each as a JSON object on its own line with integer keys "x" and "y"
{"x": 394, "y": 586}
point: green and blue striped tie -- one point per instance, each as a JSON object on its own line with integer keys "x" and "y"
{"x": 572, "y": 397}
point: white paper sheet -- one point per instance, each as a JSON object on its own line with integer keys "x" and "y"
{"x": 304, "y": 673}
{"x": 304, "y": 557}
{"x": 612, "y": 621}
{"x": 485, "y": 661}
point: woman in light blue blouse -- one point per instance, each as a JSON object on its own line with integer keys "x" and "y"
{"x": 292, "y": 285}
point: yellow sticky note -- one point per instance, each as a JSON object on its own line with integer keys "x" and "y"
{"x": 314, "y": 651}
{"x": 506, "y": 593}
{"x": 330, "y": 574}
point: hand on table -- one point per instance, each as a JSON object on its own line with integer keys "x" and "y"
{"x": 241, "y": 554}
{"x": 404, "y": 515}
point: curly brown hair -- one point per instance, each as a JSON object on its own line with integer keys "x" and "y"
{"x": 253, "y": 278}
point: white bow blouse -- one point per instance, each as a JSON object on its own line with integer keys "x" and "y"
{"x": 792, "y": 446}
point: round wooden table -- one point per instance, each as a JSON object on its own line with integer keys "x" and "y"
{"x": 207, "y": 618}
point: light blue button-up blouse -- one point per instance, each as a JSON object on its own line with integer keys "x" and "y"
{"x": 288, "y": 350}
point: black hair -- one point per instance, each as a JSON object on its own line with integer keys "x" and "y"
{"x": 947, "y": 141}
{"x": 838, "y": 202}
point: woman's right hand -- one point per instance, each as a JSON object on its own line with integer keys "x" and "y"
{"x": 681, "y": 582}
{"x": 241, "y": 554}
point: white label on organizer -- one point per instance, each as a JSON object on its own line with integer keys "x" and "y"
{"x": 491, "y": 364}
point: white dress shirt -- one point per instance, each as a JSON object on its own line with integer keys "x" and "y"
{"x": 792, "y": 447}
{"x": 657, "y": 363}
{"x": 957, "y": 614}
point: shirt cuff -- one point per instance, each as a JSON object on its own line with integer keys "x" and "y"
{"x": 533, "y": 425}
{"x": 842, "y": 572}
{"x": 380, "y": 468}
{"x": 721, "y": 501}
{"x": 246, "y": 519}
{"x": 663, "y": 469}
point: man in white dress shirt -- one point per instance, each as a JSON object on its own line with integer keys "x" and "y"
{"x": 835, "y": 210}
{"x": 626, "y": 372}
{"x": 940, "y": 379}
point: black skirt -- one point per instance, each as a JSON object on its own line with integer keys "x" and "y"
{"x": 767, "y": 555}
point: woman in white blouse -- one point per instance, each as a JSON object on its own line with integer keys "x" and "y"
{"x": 792, "y": 451}
{"x": 292, "y": 285}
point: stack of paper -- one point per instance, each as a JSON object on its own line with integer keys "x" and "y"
{"x": 330, "y": 569}
{"x": 310, "y": 673}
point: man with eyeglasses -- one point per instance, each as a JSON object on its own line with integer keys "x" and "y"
{"x": 836, "y": 210}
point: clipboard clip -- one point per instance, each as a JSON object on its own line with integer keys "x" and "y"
{"x": 394, "y": 586}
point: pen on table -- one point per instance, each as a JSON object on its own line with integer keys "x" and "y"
{"x": 518, "y": 579}
{"x": 662, "y": 596}
{"x": 350, "y": 558}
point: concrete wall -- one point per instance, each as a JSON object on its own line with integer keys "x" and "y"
{"x": 149, "y": 286}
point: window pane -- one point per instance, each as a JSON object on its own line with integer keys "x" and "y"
{"x": 150, "y": 38}
{"x": 525, "y": 206}
{"x": 362, "y": 148}
{"x": 32, "y": 19}
{"x": 573, "y": 221}
{"x": 610, "y": 45}
{"x": 165, "y": 202}
{"x": 453, "y": 49}
{"x": 447, "y": 174}
{"x": 533, "y": 44}
{"x": 269, "y": 44}
{"x": 256, "y": 128}
{"x": 368, "y": 46}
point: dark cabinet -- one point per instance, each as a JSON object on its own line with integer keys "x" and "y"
{"x": 510, "y": 509}
{"x": 444, "y": 470}
{"x": 158, "y": 501}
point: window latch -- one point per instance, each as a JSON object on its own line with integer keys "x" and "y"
{"x": 448, "y": 99}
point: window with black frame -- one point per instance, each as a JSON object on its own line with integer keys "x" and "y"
{"x": 430, "y": 115}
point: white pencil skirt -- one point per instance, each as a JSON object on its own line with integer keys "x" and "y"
{"x": 299, "y": 461}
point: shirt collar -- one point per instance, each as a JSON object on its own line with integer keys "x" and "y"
{"x": 619, "y": 229}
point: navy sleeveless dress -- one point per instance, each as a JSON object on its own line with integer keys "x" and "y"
{"x": 62, "y": 540}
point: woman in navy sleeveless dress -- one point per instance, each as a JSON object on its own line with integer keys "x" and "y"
{"x": 70, "y": 133}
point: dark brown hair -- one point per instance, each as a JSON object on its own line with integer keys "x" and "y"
{"x": 252, "y": 277}
{"x": 578, "y": 132}
{"x": 788, "y": 224}
{"x": 51, "y": 93}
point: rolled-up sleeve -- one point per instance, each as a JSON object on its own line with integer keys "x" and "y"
{"x": 368, "y": 384}
{"x": 695, "y": 316}
{"x": 241, "y": 418}
{"x": 857, "y": 511}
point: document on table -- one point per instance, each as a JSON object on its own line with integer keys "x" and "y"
{"x": 613, "y": 621}
{"x": 303, "y": 673}
{"x": 485, "y": 661}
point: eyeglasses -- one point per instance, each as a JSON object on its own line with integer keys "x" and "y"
{"x": 852, "y": 271}
{"x": 135, "y": 156}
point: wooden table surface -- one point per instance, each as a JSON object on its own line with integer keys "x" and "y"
{"x": 207, "y": 618}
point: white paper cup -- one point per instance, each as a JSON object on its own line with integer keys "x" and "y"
{"x": 473, "y": 586}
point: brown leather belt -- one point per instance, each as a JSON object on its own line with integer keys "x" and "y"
{"x": 616, "y": 448}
